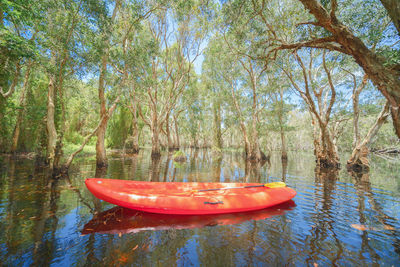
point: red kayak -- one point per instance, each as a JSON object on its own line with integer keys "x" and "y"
{"x": 119, "y": 220}
{"x": 189, "y": 198}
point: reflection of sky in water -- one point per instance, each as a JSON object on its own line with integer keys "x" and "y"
{"x": 323, "y": 227}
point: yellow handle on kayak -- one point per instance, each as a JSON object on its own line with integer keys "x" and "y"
{"x": 275, "y": 184}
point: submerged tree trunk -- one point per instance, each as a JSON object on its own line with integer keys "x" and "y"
{"x": 135, "y": 136}
{"x": 320, "y": 102}
{"x": 255, "y": 154}
{"x": 358, "y": 160}
{"x": 177, "y": 144}
{"x": 168, "y": 132}
{"x": 283, "y": 145}
{"x": 155, "y": 139}
{"x": 217, "y": 125}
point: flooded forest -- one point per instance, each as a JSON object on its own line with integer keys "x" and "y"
{"x": 306, "y": 92}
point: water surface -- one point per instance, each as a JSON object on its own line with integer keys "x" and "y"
{"x": 337, "y": 218}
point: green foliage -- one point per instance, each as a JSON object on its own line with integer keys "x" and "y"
{"x": 119, "y": 128}
{"x": 70, "y": 42}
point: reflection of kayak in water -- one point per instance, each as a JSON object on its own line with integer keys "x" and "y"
{"x": 119, "y": 220}
{"x": 189, "y": 198}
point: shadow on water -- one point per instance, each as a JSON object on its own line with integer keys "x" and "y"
{"x": 340, "y": 218}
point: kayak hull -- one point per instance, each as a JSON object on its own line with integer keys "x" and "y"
{"x": 182, "y": 198}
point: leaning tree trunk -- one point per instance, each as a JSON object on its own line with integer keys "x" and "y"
{"x": 393, "y": 9}
{"x": 358, "y": 160}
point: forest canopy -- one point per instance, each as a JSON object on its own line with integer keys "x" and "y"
{"x": 252, "y": 75}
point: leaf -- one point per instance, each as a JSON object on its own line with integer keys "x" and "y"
{"x": 360, "y": 227}
{"x": 388, "y": 227}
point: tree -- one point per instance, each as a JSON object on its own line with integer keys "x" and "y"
{"x": 320, "y": 103}
{"x": 169, "y": 64}
{"x": 378, "y": 60}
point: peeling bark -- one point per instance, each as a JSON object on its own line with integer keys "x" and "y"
{"x": 51, "y": 128}
{"x": 358, "y": 159}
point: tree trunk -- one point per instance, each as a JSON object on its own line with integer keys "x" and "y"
{"x": 168, "y": 132}
{"x": 135, "y": 135}
{"x": 155, "y": 139}
{"x": 393, "y": 9}
{"x": 255, "y": 153}
{"x": 326, "y": 155}
{"x": 101, "y": 157}
{"x": 178, "y": 142}
{"x": 282, "y": 129}
{"x": 324, "y": 148}
{"x": 283, "y": 147}
{"x": 51, "y": 128}
{"x": 358, "y": 160}
{"x": 217, "y": 125}
{"x": 21, "y": 111}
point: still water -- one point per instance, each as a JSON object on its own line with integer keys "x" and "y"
{"x": 337, "y": 218}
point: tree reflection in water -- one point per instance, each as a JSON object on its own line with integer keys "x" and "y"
{"x": 42, "y": 218}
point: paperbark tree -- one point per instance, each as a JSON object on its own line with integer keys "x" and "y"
{"x": 385, "y": 78}
{"x": 101, "y": 157}
{"x": 319, "y": 101}
{"x": 60, "y": 50}
{"x": 168, "y": 70}
{"x": 339, "y": 37}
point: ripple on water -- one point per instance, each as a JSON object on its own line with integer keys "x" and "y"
{"x": 338, "y": 219}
